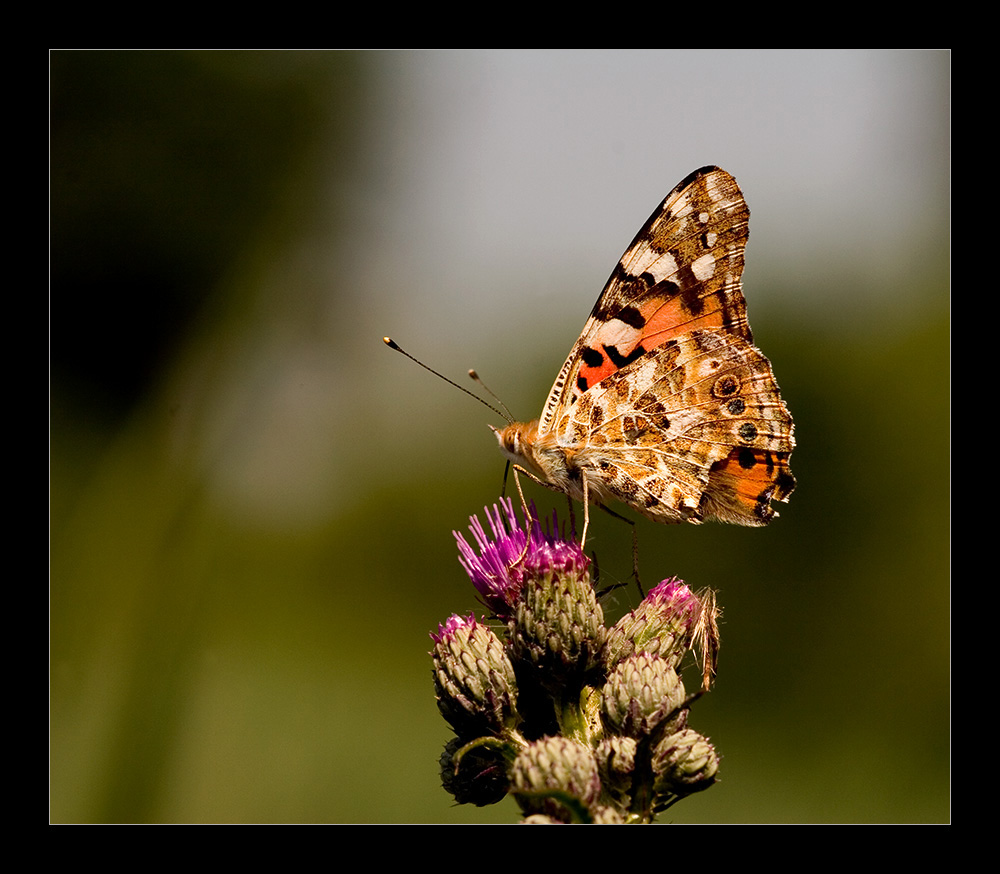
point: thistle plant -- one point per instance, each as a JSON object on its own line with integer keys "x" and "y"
{"x": 581, "y": 723}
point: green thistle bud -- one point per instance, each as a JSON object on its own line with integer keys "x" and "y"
{"x": 642, "y": 691}
{"x": 683, "y": 763}
{"x": 474, "y": 679}
{"x": 616, "y": 765}
{"x": 664, "y": 624}
{"x": 559, "y": 626}
{"x": 556, "y": 777}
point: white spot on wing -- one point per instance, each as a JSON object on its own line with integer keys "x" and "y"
{"x": 704, "y": 267}
{"x": 620, "y": 335}
{"x": 643, "y": 258}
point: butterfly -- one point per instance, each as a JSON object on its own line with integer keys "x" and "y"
{"x": 664, "y": 403}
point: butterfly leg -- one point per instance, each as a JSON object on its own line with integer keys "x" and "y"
{"x": 586, "y": 511}
{"x": 524, "y": 508}
{"x": 635, "y": 545}
{"x": 503, "y": 487}
{"x": 518, "y": 470}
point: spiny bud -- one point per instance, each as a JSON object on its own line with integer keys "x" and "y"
{"x": 642, "y": 691}
{"x": 556, "y": 777}
{"x": 474, "y": 679}
{"x": 616, "y": 765}
{"x": 684, "y": 763}
{"x": 664, "y": 624}
{"x": 559, "y": 626}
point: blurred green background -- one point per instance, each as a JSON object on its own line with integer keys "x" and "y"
{"x": 252, "y": 499}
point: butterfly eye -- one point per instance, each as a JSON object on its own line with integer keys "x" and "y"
{"x": 508, "y": 439}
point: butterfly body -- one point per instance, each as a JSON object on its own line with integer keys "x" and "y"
{"x": 664, "y": 403}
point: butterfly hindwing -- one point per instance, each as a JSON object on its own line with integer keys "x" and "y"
{"x": 694, "y": 429}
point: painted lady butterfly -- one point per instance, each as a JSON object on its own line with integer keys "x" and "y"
{"x": 664, "y": 403}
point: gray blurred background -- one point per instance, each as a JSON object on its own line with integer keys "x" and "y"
{"x": 252, "y": 499}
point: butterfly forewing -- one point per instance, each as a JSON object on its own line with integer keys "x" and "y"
{"x": 680, "y": 273}
{"x": 664, "y": 403}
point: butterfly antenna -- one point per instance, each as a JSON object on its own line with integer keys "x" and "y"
{"x": 393, "y": 345}
{"x": 478, "y": 379}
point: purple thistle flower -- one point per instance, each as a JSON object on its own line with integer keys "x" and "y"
{"x": 499, "y": 571}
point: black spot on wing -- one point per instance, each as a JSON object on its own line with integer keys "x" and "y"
{"x": 691, "y": 293}
{"x": 620, "y": 360}
{"x": 626, "y": 287}
{"x": 631, "y": 317}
